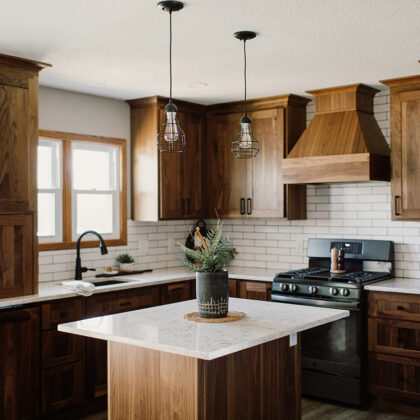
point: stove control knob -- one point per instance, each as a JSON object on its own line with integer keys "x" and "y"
{"x": 293, "y": 287}
{"x": 344, "y": 292}
{"x": 333, "y": 291}
{"x": 284, "y": 287}
{"x": 313, "y": 290}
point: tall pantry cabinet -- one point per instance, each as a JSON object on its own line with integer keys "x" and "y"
{"x": 405, "y": 147}
{"x": 18, "y": 148}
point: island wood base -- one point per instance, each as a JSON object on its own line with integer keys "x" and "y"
{"x": 262, "y": 382}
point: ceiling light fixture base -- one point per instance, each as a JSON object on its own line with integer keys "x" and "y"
{"x": 170, "y": 6}
{"x": 244, "y": 35}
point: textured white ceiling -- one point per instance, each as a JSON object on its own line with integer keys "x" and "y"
{"x": 119, "y": 48}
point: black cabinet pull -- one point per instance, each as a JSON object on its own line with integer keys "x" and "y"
{"x": 396, "y": 198}
{"x": 183, "y": 206}
{"x": 188, "y": 206}
{"x": 125, "y": 303}
{"x": 400, "y": 308}
{"x": 249, "y": 206}
{"x": 242, "y": 205}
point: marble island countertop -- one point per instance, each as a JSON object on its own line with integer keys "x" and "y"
{"x": 55, "y": 290}
{"x": 164, "y": 328}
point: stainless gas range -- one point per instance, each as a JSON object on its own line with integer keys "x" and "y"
{"x": 334, "y": 356}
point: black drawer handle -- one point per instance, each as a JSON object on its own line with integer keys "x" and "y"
{"x": 396, "y": 198}
{"x": 400, "y": 308}
{"x": 187, "y": 207}
{"x": 183, "y": 206}
{"x": 63, "y": 314}
{"x": 177, "y": 289}
{"x": 125, "y": 303}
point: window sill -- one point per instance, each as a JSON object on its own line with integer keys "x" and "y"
{"x": 84, "y": 244}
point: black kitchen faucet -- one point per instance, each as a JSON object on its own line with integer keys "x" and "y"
{"x": 79, "y": 268}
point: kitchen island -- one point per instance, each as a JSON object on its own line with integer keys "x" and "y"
{"x": 162, "y": 366}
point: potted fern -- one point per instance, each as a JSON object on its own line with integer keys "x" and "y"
{"x": 209, "y": 261}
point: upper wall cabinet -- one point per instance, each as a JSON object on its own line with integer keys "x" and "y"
{"x": 254, "y": 187}
{"x": 166, "y": 185}
{"x": 18, "y": 150}
{"x": 405, "y": 147}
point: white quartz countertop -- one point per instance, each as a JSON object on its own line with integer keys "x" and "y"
{"x": 396, "y": 285}
{"x": 54, "y": 290}
{"x": 164, "y": 328}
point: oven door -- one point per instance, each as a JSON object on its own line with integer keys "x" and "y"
{"x": 332, "y": 353}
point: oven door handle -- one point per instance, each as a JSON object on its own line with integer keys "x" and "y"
{"x": 351, "y": 306}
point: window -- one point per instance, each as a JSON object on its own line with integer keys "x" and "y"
{"x": 81, "y": 186}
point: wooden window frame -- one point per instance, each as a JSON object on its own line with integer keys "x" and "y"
{"x": 66, "y": 139}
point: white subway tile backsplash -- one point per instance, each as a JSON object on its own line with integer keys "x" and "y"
{"x": 351, "y": 210}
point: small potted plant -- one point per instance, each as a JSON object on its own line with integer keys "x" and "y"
{"x": 126, "y": 262}
{"x": 209, "y": 262}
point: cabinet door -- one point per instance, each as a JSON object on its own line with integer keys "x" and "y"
{"x": 171, "y": 196}
{"x": 176, "y": 292}
{"x": 256, "y": 290}
{"x": 226, "y": 176}
{"x": 17, "y": 151}
{"x": 63, "y": 386}
{"x": 405, "y": 156}
{"x": 19, "y": 367}
{"x": 192, "y": 158}
{"x": 265, "y": 196}
{"x": 16, "y": 255}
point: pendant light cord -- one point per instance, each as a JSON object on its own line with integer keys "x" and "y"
{"x": 245, "y": 77}
{"x": 170, "y": 56}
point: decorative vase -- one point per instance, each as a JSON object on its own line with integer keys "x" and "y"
{"x": 126, "y": 267}
{"x": 212, "y": 294}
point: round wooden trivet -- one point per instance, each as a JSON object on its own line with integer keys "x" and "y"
{"x": 231, "y": 316}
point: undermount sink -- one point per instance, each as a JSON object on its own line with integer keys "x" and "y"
{"x": 108, "y": 282}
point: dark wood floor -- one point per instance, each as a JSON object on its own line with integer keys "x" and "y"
{"x": 317, "y": 410}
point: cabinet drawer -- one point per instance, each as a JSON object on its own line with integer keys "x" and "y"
{"x": 62, "y": 387}
{"x": 394, "y": 337}
{"x": 176, "y": 292}
{"x": 61, "y": 311}
{"x": 394, "y": 376}
{"x": 394, "y": 305}
{"x": 257, "y": 290}
{"x": 58, "y": 348}
{"x": 112, "y": 303}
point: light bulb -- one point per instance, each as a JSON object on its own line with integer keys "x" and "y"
{"x": 171, "y": 127}
{"x": 246, "y": 138}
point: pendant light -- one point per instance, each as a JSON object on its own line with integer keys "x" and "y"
{"x": 170, "y": 138}
{"x": 245, "y": 146}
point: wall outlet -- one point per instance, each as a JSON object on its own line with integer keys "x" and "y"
{"x": 143, "y": 246}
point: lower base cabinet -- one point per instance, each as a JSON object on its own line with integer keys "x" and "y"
{"x": 19, "y": 364}
{"x": 394, "y": 351}
{"x": 257, "y": 290}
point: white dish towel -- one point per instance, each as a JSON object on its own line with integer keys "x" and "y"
{"x": 80, "y": 287}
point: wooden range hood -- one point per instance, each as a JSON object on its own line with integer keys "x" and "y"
{"x": 343, "y": 143}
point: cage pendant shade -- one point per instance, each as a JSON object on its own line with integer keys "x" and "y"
{"x": 170, "y": 138}
{"x": 245, "y": 145}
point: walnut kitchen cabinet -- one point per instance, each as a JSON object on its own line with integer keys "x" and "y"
{"x": 394, "y": 350}
{"x": 18, "y": 143}
{"x": 62, "y": 356}
{"x": 107, "y": 304}
{"x": 19, "y": 367}
{"x": 166, "y": 186}
{"x": 405, "y": 147}
{"x": 254, "y": 187}
{"x": 257, "y": 290}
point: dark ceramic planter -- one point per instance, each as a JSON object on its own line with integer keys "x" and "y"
{"x": 212, "y": 294}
